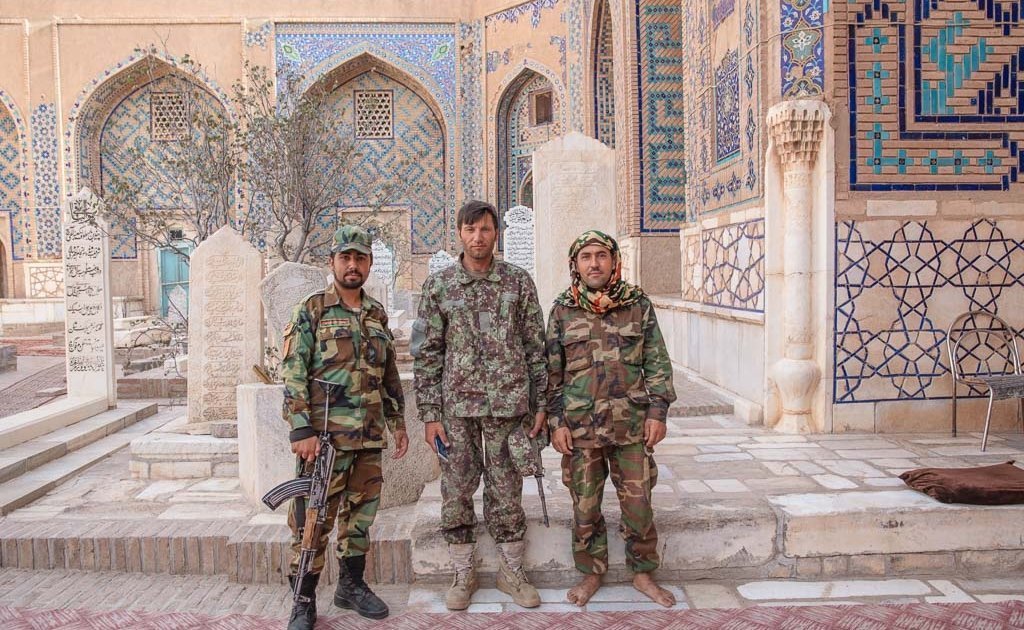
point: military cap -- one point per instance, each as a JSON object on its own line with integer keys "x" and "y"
{"x": 352, "y": 237}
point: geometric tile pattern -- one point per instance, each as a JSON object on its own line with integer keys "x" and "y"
{"x": 721, "y": 67}
{"x": 13, "y": 165}
{"x": 575, "y": 35}
{"x": 426, "y": 52}
{"x": 733, "y": 273}
{"x": 169, "y": 119}
{"x": 47, "y": 185}
{"x": 604, "y": 77}
{"x": 415, "y": 154}
{"x": 898, "y": 287}
{"x": 259, "y": 37}
{"x": 130, "y": 125}
{"x": 933, "y": 92}
{"x": 471, "y": 114}
{"x": 660, "y": 106}
{"x": 802, "y": 47}
{"x": 972, "y": 616}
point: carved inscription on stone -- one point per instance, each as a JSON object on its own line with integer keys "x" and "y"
{"x": 519, "y": 239}
{"x": 440, "y": 260}
{"x": 282, "y": 289}
{"x": 88, "y": 325}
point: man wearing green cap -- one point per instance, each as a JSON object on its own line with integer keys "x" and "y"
{"x": 609, "y": 389}
{"x": 341, "y": 335}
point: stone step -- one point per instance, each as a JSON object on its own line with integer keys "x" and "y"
{"x": 26, "y": 456}
{"x": 27, "y": 425}
{"x": 251, "y": 553}
{"x": 884, "y": 533}
{"x": 31, "y": 485}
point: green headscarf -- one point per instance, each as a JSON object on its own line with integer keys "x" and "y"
{"x": 615, "y": 294}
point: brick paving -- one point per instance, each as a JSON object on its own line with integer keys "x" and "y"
{"x": 22, "y": 395}
{"x": 62, "y": 599}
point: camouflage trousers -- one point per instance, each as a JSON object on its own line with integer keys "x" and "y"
{"x": 460, "y": 477}
{"x": 634, "y": 475}
{"x": 352, "y": 500}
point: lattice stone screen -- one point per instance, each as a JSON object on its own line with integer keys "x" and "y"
{"x": 168, "y": 116}
{"x": 374, "y": 114}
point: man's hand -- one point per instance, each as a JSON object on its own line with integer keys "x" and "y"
{"x": 540, "y": 424}
{"x": 654, "y": 432}
{"x": 307, "y": 449}
{"x": 432, "y": 430}
{"x": 562, "y": 440}
{"x": 401, "y": 444}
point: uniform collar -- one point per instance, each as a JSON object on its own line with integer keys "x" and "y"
{"x": 465, "y": 277}
{"x": 331, "y": 298}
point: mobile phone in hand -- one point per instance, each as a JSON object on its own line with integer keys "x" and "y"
{"x": 442, "y": 450}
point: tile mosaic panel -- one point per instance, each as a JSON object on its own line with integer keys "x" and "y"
{"x": 533, "y": 9}
{"x": 46, "y": 181}
{"x": 416, "y": 154}
{"x": 733, "y": 266}
{"x": 722, "y": 101}
{"x": 259, "y": 37}
{"x": 727, "y": 107}
{"x": 129, "y": 125}
{"x": 575, "y": 20}
{"x": 898, "y": 287}
{"x": 660, "y": 106}
{"x": 721, "y": 9}
{"x": 471, "y": 109}
{"x": 604, "y": 77}
{"x": 13, "y": 168}
{"x": 803, "y": 47}
{"x": 426, "y": 52}
{"x": 933, "y": 94}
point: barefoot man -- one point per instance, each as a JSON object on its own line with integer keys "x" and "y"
{"x": 609, "y": 388}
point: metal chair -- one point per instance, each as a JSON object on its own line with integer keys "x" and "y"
{"x": 995, "y": 354}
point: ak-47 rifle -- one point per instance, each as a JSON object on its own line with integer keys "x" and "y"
{"x": 525, "y": 454}
{"x": 310, "y": 493}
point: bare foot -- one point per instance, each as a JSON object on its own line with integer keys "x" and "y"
{"x": 644, "y": 583}
{"x": 584, "y": 590}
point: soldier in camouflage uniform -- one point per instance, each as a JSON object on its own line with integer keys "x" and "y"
{"x": 478, "y": 345}
{"x": 609, "y": 389}
{"x": 341, "y": 335}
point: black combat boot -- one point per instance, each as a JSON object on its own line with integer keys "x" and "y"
{"x": 352, "y": 591}
{"x": 304, "y": 611}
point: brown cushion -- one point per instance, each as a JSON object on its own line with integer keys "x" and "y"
{"x": 1000, "y": 484}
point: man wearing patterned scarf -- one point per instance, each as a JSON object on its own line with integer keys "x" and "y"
{"x": 609, "y": 389}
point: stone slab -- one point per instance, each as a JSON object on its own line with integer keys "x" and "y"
{"x": 890, "y": 521}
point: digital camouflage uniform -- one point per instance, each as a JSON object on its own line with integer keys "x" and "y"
{"x": 327, "y": 340}
{"x": 478, "y": 345}
{"x": 607, "y": 374}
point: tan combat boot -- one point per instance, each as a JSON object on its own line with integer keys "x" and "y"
{"x": 464, "y": 584}
{"x": 511, "y": 577}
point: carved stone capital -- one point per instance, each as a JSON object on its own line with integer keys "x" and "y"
{"x": 796, "y": 129}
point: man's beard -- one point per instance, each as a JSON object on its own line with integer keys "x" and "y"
{"x": 350, "y": 284}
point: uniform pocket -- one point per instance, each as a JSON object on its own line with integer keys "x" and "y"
{"x": 335, "y": 343}
{"x": 631, "y": 347}
{"x": 377, "y": 346}
{"x": 578, "y": 354}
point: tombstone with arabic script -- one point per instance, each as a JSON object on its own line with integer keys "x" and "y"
{"x": 89, "y": 329}
{"x": 519, "y": 239}
{"x": 440, "y": 260}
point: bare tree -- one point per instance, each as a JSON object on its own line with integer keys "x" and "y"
{"x": 299, "y": 166}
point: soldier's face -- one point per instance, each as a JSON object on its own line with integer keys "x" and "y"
{"x": 350, "y": 268}
{"x": 478, "y": 238}
{"x": 595, "y": 264}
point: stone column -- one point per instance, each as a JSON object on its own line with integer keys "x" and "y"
{"x": 796, "y": 129}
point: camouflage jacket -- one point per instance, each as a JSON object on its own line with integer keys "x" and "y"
{"x": 478, "y": 344}
{"x": 607, "y": 373}
{"x": 354, "y": 349}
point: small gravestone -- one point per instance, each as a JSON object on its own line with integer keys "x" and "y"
{"x": 89, "y": 328}
{"x": 282, "y": 289}
{"x": 519, "y": 239}
{"x": 177, "y": 307}
{"x": 225, "y": 337}
{"x": 439, "y": 261}
{"x": 384, "y": 269}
